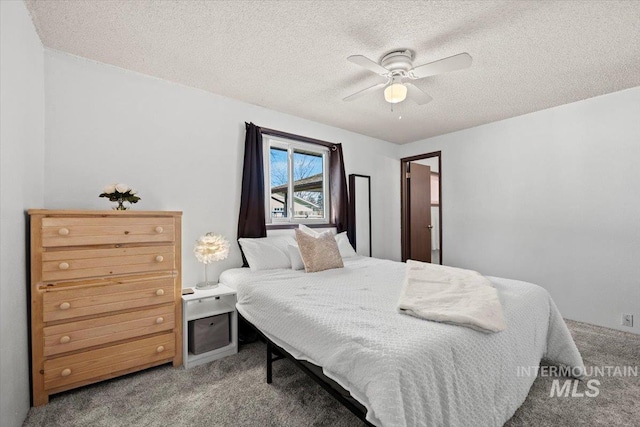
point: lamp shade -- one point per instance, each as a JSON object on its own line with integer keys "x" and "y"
{"x": 395, "y": 92}
{"x": 210, "y": 248}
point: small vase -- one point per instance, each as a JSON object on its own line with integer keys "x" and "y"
{"x": 121, "y": 206}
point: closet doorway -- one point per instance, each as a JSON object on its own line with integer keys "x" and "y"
{"x": 421, "y": 205}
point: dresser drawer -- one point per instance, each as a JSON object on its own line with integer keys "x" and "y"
{"x": 97, "y": 231}
{"x": 77, "y": 301}
{"x": 84, "y": 366}
{"x": 88, "y": 333}
{"x": 80, "y": 264}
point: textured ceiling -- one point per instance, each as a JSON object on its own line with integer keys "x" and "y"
{"x": 290, "y": 56}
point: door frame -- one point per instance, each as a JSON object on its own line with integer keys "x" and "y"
{"x": 404, "y": 200}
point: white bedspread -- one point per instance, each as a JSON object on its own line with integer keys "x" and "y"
{"x": 451, "y": 295}
{"x": 404, "y": 370}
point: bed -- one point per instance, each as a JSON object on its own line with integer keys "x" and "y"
{"x": 402, "y": 370}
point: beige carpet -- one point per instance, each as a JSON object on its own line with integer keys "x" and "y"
{"x": 233, "y": 392}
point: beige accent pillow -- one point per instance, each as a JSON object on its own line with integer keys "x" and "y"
{"x": 318, "y": 253}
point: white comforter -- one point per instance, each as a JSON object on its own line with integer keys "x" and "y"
{"x": 406, "y": 371}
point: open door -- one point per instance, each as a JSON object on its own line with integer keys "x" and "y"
{"x": 421, "y": 207}
{"x": 419, "y": 212}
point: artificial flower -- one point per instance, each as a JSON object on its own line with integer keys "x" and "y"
{"x": 122, "y": 188}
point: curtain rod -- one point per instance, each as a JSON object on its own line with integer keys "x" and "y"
{"x": 295, "y": 137}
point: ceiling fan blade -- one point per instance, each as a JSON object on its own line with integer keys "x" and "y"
{"x": 370, "y": 65}
{"x": 364, "y": 92}
{"x": 452, "y": 63}
{"x": 417, "y": 94}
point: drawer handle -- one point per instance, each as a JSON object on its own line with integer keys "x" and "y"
{"x": 159, "y": 229}
{"x": 160, "y": 292}
{"x": 65, "y": 372}
{"x": 64, "y": 306}
{"x": 65, "y": 339}
{"x": 159, "y": 258}
{"x": 160, "y": 349}
{"x": 159, "y": 320}
{"x": 63, "y": 265}
{"x": 63, "y": 232}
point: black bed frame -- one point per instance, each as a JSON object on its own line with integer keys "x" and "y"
{"x": 275, "y": 352}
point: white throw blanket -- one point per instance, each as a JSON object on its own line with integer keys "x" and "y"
{"x": 451, "y": 295}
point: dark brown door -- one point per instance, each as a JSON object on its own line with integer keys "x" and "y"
{"x": 419, "y": 213}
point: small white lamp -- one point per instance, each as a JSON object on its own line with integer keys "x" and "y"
{"x": 210, "y": 248}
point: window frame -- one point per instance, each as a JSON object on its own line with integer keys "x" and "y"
{"x": 291, "y": 145}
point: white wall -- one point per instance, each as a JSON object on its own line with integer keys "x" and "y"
{"x": 181, "y": 148}
{"x": 21, "y": 187}
{"x": 552, "y": 198}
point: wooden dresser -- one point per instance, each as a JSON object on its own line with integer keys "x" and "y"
{"x": 105, "y": 295}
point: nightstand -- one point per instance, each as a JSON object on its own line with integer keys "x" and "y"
{"x": 205, "y": 303}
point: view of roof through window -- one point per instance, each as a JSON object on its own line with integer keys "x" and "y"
{"x": 308, "y": 183}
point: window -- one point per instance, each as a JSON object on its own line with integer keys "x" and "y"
{"x": 296, "y": 181}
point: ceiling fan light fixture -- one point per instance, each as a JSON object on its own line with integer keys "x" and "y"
{"x": 394, "y": 93}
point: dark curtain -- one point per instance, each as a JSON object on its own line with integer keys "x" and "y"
{"x": 338, "y": 190}
{"x": 251, "y": 221}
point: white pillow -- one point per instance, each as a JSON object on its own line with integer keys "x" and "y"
{"x": 295, "y": 257}
{"x": 267, "y": 253}
{"x": 308, "y": 230}
{"x": 345, "y": 248}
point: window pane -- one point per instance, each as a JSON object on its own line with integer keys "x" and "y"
{"x": 279, "y": 179}
{"x": 308, "y": 185}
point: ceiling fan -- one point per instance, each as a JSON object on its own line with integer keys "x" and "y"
{"x": 398, "y": 70}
